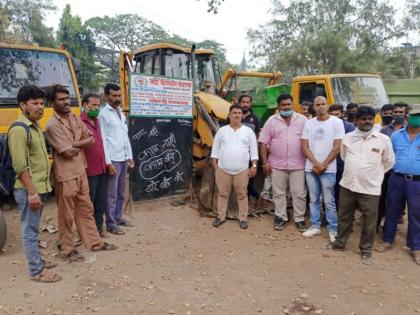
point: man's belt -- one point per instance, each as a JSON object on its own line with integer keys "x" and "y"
{"x": 408, "y": 177}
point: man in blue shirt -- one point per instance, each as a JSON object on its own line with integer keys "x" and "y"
{"x": 118, "y": 156}
{"x": 404, "y": 186}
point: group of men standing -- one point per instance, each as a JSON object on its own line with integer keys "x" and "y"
{"x": 340, "y": 163}
{"x": 91, "y": 154}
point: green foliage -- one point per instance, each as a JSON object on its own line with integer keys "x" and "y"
{"x": 22, "y": 22}
{"x": 328, "y": 36}
{"x": 79, "y": 42}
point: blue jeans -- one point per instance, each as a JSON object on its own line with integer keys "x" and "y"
{"x": 322, "y": 185}
{"x": 29, "y": 223}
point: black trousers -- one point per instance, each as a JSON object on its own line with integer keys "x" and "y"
{"x": 98, "y": 192}
{"x": 368, "y": 206}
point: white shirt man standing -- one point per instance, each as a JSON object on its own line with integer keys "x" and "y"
{"x": 321, "y": 140}
{"x": 233, "y": 147}
{"x": 367, "y": 155}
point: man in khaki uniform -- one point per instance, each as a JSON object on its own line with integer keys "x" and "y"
{"x": 68, "y": 135}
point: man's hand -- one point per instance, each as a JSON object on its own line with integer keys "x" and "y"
{"x": 252, "y": 171}
{"x": 319, "y": 168}
{"x": 111, "y": 170}
{"x": 266, "y": 169}
{"x": 130, "y": 163}
{"x": 35, "y": 202}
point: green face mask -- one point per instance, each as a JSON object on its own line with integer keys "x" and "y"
{"x": 93, "y": 113}
{"x": 414, "y": 121}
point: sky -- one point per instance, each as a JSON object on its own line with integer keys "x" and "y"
{"x": 187, "y": 18}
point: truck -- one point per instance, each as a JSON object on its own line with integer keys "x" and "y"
{"x": 21, "y": 65}
{"x": 342, "y": 88}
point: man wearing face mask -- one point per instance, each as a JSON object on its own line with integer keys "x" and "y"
{"x": 351, "y": 110}
{"x": 399, "y": 119}
{"x": 367, "y": 155}
{"x": 286, "y": 162}
{"x": 386, "y": 117}
{"x": 404, "y": 186}
{"x": 250, "y": 120}
{"x": 95, "y": 160}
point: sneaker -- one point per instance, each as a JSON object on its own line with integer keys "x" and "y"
{"x": 301, "y": 226}
{"x": 332, "y": 236}
{"x": 116, "y": 231}
{"x": 279, "y": 224}
{"x": 243, "y": 225}
{"x": 367, "y": 259}
{"x": 334, "y": 246}
{"x": 217, "y": 222}
{"x": 312, "y": 231}
{"x": 124, "y": 222}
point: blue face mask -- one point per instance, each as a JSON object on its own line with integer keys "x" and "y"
{"x": 286, "y": 113}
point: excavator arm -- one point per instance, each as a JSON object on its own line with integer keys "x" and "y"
{"x": 273, "y": 77}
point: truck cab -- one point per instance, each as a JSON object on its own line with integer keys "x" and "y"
{"x": 21, "y": 65}
{"x": 364, "y": 89}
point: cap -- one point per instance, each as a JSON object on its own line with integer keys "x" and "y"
{"x": 415, "y": 109}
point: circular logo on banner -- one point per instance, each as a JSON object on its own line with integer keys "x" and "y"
{"x": 140, "y": 81}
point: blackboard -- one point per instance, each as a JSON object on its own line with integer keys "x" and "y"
{"x": 162, "y": 151}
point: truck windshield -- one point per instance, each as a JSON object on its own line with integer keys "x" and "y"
{"x": 361, "y": 90}
{"x": 19, "y": 67}
{"x": 206, "y": 78}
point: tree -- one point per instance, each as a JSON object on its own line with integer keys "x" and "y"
{"x": 23, "y": 21}
{"x": 123, "y": 32}
{"x": 79, "y": 42}
{"x": 327, "y": 36}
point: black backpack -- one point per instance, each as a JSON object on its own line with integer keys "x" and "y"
{"x": 7, "y": 174}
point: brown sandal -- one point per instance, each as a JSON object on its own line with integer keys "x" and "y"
{"x": 74, "y": 256}
{"x": 416, "y": 256}
{"x": 104, "y": 247}
{"x": 46, "y": 277}
{"x": 383, "y": 247}
{"x": 49, "y": 264}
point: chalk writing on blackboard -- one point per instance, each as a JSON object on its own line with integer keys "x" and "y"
{"x": 159, "y": 164}
{"x": 169, "y": 142}
{"x": 139, "y": 134}
{"x": 162, "y": 149}
{"x": 154, "y": 132}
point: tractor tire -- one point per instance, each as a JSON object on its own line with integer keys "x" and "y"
{"x": 3, "y": 230}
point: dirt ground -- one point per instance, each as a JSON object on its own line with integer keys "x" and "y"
{"x": 174, "y": 262}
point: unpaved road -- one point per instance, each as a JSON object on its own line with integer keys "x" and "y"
{"x": 174, "y": 262}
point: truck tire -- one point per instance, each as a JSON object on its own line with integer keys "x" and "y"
{"x": 3, "y": 230}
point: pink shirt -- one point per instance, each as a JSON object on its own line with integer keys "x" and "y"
{"x": 284, "y": 142}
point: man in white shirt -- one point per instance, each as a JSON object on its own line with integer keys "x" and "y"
{"x": 118, "y": 156}
{"x": 367, "y": 155}
{"x": 321, "y": 140}
{"x": 233, "y": 147}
